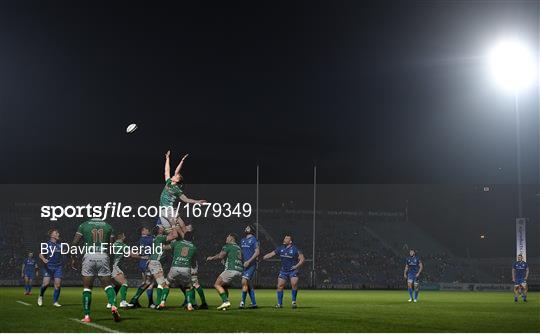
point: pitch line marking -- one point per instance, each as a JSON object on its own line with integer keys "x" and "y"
{"x": 91, "y": 324}
{"x": 23, "y": 303}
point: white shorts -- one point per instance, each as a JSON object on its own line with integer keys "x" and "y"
{"x": 154, "y": 267}
{"x": 180, "y": 276}
{"x": 96, "y": 264}
{"x": 227, "y": 276}
{"x": 116, "y": 271}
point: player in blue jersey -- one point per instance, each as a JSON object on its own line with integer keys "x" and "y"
{"x": 291, "y": 259}
{"x": 520, "y": 274}
{"x": 29, "y": 271}
{"x": 53, "y": 262}
{"x": 250, "y": 253}
{"x": 413, "y": 268}
{"x": 146, "y": 240}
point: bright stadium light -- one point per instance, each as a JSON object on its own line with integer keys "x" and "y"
{"x": 512, "y": 65}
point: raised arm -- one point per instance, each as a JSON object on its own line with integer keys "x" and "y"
{"x": 179, "y": 167}
{"x": 186, "y": 199}
{"x": 301, "y": 260}
{"x": 167, "y": 166}
{"x": 269, "y": 255}
{"x": 219, "y": 256}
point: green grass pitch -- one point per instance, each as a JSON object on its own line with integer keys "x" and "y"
{"x": 319, "y": 311}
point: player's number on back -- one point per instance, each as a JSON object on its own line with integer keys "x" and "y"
{"x": 97, "y": 235}
{"x": 184, "y": 252}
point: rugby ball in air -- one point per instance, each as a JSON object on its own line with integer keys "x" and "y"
{"x": 131, "y": 128}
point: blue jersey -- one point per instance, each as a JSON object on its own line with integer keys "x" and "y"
{"x": 145, "y": 241}
{"x": 288, "y": 255}
{"x": 413, "y": 262}
{"x": 29, "y": 266}
{"x": 249, "y": 245}
{"x": 56, "y": 259}
{"x": 521, "y": 270}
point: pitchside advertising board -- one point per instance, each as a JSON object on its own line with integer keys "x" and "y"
{"x": 521, "y": 241}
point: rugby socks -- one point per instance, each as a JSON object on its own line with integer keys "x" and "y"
{"x": 42, "y": 290}
{"x": 150, "y": 295}
{"x": 416, "y": 294}
{"x": 190, "y": 295}
{"x": 56, "y": 295}
{"x": 86, "y": 300}
{"x": 123, "y": 292}
{"x": 244, "y": 294}
{"x": 252, "y": 296}
{"x": 185, "y": 296}
{"x": 410, "y": 292}
{"x": 159, "y": 293}
{"x": 524, "y": 297}
{"x": 164, "y": 295}
{"x": 135, "y": 297}
{"x": 111, "y": 295}
{"x": 294, "y": 292}
{"x": 200, "y": 292}
{"x": 224, "y": 297}
{"x": 280, "y": 297}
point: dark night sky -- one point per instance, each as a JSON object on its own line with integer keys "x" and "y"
{"x": 389, "y": 92}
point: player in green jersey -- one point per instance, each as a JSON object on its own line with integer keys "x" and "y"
{"x": 172, "y": 191}
{"x": 183, "y": 261}
{"x": 97, "y": 236}
{"x": 232, "y": 253}
{"x": 120, "y": 252}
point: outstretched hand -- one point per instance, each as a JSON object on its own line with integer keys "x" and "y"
{"x": 167, "y": 154}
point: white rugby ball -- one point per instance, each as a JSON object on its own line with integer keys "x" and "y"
{"x": 131, "y": 128}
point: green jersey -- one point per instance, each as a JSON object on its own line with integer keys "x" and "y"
{"x": 118, "y": 249}
{"x": 159, "y": 241}
{"x": 96, "y": 232}
{"x": 183, "y": 254}
{"x": 171, "y": 192}
{"x": 233, "y": 261}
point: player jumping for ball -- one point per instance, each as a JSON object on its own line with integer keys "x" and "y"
{"x": 171, "y": 192}
{"x": 96, "y": 235}
{"x": 520, "y": 273}
{"x": 413, "y": 268}
{"x": 234, "y": 266}
{"x": 292, "y": 258}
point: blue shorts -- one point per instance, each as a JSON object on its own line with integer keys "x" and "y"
{"x": 520, "y": 281}
{"x": 142, "y": 266}
{"x": 411, "y": 278}
{"x": 30, "y": 274}
{"x": 55, "y": 272}
{"x": 288, "y": 274}
{"x": 249, "y": 272}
